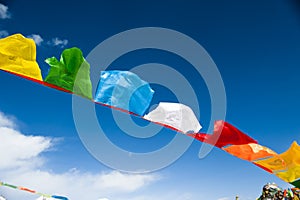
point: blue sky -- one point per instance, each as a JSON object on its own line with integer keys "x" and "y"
{"x": 255, "y": 46}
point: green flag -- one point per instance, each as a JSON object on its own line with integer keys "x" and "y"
{"x": 71, "y": 72}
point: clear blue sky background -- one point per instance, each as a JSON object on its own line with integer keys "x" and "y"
{"x": 255, "y": 44}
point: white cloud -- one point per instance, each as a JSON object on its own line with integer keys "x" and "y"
{"x": 18, "y": 150}
{"x": 58, "y": 42}
{"x": 21, "y": 163}
{"x": 6, "y": 121}
{"x": 126, "y": 182}
{"x": 166, "y": 195}
{"x": 78, "y": 185}
{"x": 37, "y": 39}
{"x": 3, "y": 33}
{"x": 224, "y": 198}
{"x": 55, "y": 42}
{"x": 4, "y": 14}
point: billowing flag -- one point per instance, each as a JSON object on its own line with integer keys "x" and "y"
{"x": 224, "y": 134}
{"x": 286, "y": 165}
{"x": 18, "y": 55}
{"x": 291, "y": 174}
{"x": 125, "y": 90}
{"x": 71, "y": 72}
{"x": 249, "y": 152}
{"x": 175, "y": 115}
{"x": 283, "y": 162}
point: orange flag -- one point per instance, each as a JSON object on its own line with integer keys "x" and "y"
{"x": 249, "y": 151}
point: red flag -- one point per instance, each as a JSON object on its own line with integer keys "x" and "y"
{"x": 224, "y": 134}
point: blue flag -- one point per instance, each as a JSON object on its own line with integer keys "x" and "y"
{"x": 124, "y": 89}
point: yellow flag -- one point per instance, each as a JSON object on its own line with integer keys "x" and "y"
{"x": 18, "y": 55}
{"x": 292, "y": 173}
{"x": 285, "y": 165}
{"x": 249, "y": 151}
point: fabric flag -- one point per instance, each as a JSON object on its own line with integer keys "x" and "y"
{"x": 296, "y": 183}
{"x": 249, "y": 152}
{"x": 224, "y": 134}
{"x": 290, "y": 169}
{"x": 286, "y": 165}
{"x": 176, "y": 115}
{"x": 18, "y": 55}
{"x": 291, "y": 174}
{"x": 71, "y": 72}
{"x": 59, "y": 197}
{"x": 125, "y": 90}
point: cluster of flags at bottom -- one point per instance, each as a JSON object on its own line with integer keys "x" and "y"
{"x": 125, "y": 91}
{"x": 43, "y": 196}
